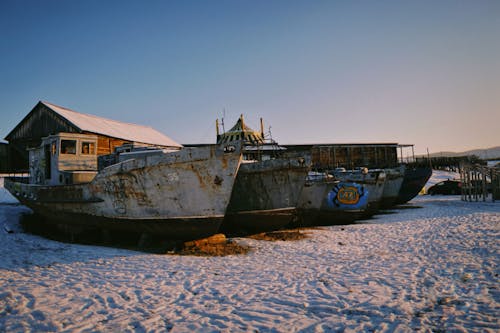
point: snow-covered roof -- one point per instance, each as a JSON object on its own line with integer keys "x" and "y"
{"x": 113, "y": 128}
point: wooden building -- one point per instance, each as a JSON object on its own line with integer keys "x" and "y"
{"x": 329, "y": 156}
{"x": 48, "y": 119}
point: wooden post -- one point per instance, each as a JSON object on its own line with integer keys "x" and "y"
{"x": 462, "y": 188}
{"x": 475, "y": 182}
{"x": 335, "y": 164}
{"x": 494, "y": 185}
{"x": 485, "y": 190}
{"x": 469, "y": 184}
{"x": 464, "y": 184}
{"x": 476, "y": 194}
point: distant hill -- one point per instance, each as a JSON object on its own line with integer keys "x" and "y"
{"x": 490, "y": 153}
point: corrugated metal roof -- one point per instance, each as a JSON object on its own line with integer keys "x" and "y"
{"x": 113, "y": 128}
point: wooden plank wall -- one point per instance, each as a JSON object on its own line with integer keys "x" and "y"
{"x": 330, "y": 157}
{"x": 106, "y": 145}
{"x": 39, "y": 123}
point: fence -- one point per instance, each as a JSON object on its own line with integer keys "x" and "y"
{"x": 479, "y": 182}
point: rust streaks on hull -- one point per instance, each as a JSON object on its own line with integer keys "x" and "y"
{"x": 184, "y": 187}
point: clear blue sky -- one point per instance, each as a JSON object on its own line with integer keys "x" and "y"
{"x": 421, "y": 72}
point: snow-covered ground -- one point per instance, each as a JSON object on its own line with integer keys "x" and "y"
{"x": 432, "y": 266}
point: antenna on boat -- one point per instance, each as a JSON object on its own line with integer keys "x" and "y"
{"x": 223, "y": 116}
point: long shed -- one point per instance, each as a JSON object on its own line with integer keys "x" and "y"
{"x": 47, "y": 118}
{"x": 327, "y": 156}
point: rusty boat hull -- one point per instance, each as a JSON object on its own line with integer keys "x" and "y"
{"x": 265, "y": 195}
{"x": 179, "y": 195}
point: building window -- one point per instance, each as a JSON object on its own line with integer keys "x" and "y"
{"x": 88, "y": 148}
{"x": 68, "y": 147}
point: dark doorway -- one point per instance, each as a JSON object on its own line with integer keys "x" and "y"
{"x": 48, "y": 162}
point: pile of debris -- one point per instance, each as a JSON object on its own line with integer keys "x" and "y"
{"x": 216, "y": 245}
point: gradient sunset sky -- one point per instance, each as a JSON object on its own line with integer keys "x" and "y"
{"x": 421, "y": 72}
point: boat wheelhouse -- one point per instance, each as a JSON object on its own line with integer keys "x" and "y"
{"x": 268, "y": 184}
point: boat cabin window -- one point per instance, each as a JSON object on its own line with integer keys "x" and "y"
{"x": 68, "y": 147}
{"x": 88, "y": 148}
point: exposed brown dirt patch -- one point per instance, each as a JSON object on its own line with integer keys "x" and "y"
{"x": 219, "y": 250}
{"x": 281, "y": 235}
{"x": 216, "y": 245}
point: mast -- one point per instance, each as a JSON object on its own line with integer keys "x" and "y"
{"x": 242, "y": 127}
{"x": 217, "y": 129}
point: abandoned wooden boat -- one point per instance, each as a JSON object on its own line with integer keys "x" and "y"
{"x": 372, "y": 180}
{"x": 178, "y": 194}
{"x": 325, "y": 200}
{"x": 268, "y": 184}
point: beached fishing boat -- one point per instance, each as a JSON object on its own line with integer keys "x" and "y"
{"x": 326, "y": 201}
{"x": 176, "y": 194}
{"x": 268, "y": 184}
{"x": 373, "y": 182}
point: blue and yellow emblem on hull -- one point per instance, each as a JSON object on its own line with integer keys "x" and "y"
{"x": 347, "y": 196}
